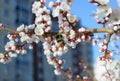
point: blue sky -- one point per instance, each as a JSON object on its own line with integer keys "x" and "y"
{"x": 84, "y": 9}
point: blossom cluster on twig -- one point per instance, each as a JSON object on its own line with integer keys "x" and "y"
{"x": 55, "y": 44}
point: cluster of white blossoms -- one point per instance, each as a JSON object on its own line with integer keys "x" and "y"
{"x": 4, "y": 58}
{"x": 58, "y": 6}
{"x": 108, "y": 17}
{"x": 103, "y": 11}
{"x": 106, "y": 14}
{"x": 55, "y": 44}
{"x": 108, "y": 54}
{"x": 111, "y": 74}
{"x": 25, "y": 33}
{"x": 42, "y": 19}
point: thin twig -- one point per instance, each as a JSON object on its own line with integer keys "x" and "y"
{"x": 107, "y": 45}
{"x": 2, "y": 27}
{"x": 108, "y": 72}
{"x": 91, "y": 75}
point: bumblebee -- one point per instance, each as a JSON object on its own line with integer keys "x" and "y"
{"x": 59, "y": 38}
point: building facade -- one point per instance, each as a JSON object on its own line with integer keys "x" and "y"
{"x": 12, "y": 14}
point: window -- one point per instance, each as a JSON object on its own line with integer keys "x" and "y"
{"x": 7, "y": 1}
{"x": 6, "y": 13}
{"x": 40, "y": 76}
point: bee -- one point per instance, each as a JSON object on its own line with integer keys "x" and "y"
{"x": 59, "y": 38}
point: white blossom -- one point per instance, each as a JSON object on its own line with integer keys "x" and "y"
{"x": 2, "y": 61}
{"x": 57, "y": 72}
{"x": 35, "y": 38}
{"x": 49, "y": 22}
{"x": 101, "y": 73}
{"x": 56, "y": 12}
{"x": 23, "y": 38}
{"x": 36, "y": 5}
{"x": 72, "y": 44}
{"x": 46, "y": 17}
{"x": 30, "y": 26}
{"x": 38, "y": 20}
{"x": 65, "y": 49}
{"x": 47, "y": 52}
{"x": 10, "y": 45}
{"x": 71, "y": 18}
{"x": 46, "y": 46}
{"x": 64, "y": 6}
{"x": 115, "y": 28}
{"x": 21, "y": 34}
{"x": 69, "y": 2}
{"x": 46, "y": 10}
{"x": 39, "y": 12}
{"x": 60, "y": 51}
{"x": 21, "y": 27}
{"x": 115, "y": 16}
{"x": 12, "y": 54}
{"x": 29, "y": 39}
{"x": 51, "y": 3}
{"x": 1, "y": 55}
{"x": 83, "y": 37}
{"x": 102, "y": 12}
{"x": 53, "y": 48}
{"x": 60, "y": 61}
{"x": 23, "y": 51}
{"x": 50, "y": 61}
{"x": 81, "y": 30}
{"x": 26, "y": 38}
{"x": 17, "y": 51}
{"x": 47, "y": 29}
{"x": 72, "y": 34}
{"x": 39, "y": 29}
{"x": 67, "y": 28}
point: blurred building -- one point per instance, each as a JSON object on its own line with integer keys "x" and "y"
{"x": 12, "y": 14}
{"x": 33, "y": 66}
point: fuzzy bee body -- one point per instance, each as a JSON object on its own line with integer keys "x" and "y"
{"x": 59, "y": 38}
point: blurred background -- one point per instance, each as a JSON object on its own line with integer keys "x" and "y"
{"x": 33, "y": 66}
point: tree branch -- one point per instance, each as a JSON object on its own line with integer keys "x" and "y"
{"x": 2, "y": 27}
{"x": 100, "y": 30}
{"x": 91, "y": 75}
{"x": 89, "y": 30}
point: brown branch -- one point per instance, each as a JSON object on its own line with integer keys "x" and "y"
{"x": 101, "y": 30}
{"x": 78, "y": 79}
{"x": 92, "y": 30}
{"x": 21, "y": 45}
{"x": 89, "y": 30}
{"x": 11, "y": 30}
{"x": 108, "y": 73}
{"x": 107, "y": 46}
{"x": 91, "y": 75}
{"x": 2, "y": 27}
